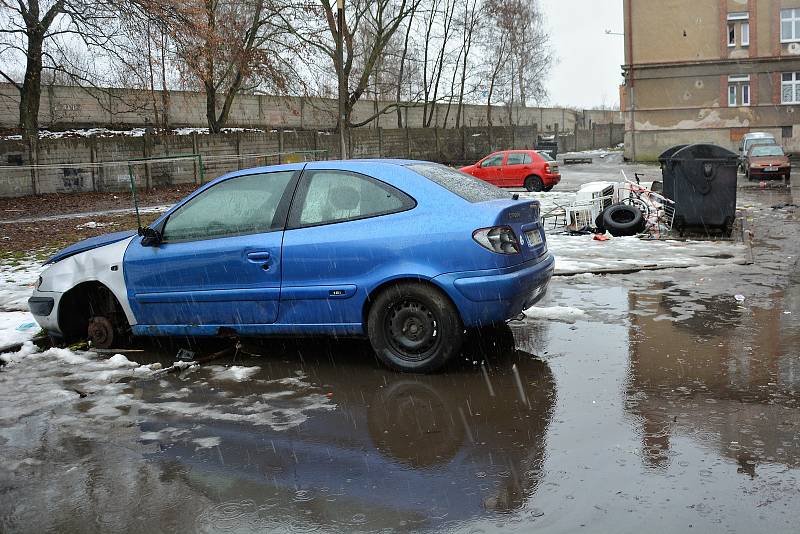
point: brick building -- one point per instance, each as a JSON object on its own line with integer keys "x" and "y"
{"x": 710, "y": 71}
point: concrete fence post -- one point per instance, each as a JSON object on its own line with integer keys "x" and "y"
{"x": 464, "y": 144}
{"x": 437, "y": 141}
{"x": 93, "y": 160}
{"x": 280, "y": 146}
{"x": 380, "y": 142}
{"x": 408, "y": 138}
{"x": 594, "y": 144}
{"x": 147, "y": 151}
{"x": 611, "y": 134}
{"x": 195, "y": 150}
{"x": 576, "y": 137}
{"x": 239, "y": 151}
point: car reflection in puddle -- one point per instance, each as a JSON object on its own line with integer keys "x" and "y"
{"x": 388, "y": 450}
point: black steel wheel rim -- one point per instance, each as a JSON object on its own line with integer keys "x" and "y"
{"x": 412, "y": 330}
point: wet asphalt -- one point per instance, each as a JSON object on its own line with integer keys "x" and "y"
{"x": 670, "y": 407}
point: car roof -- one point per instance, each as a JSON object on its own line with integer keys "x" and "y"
{"x": 756, "y": 135}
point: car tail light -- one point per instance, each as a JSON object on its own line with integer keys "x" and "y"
{"x": 499, "y": 239}
{"x": 547, "y": 168}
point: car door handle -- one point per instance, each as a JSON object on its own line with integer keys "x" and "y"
{"x": 257, "y": 257}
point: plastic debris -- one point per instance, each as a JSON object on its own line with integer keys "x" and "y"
{"x": 25, "y": 327}
{"x": 739, "y": 298}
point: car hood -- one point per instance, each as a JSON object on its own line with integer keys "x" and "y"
{"x": 769, "y": 160}
{"x": 89, "y": 244}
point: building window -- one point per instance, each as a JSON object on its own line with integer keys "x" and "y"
{"x": 732, "y": 96}
{"x": 739, "y": 87}
{"x": 745, "y": 31}
{"x": 731, "y": 34}
{"x": 790, "y": 88}
{"x": 790, "y": 25}
{"x": 746, "y": 94}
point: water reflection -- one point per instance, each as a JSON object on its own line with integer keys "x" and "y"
{"x": 397, "y": 451}
{"x": 724, "y": 374}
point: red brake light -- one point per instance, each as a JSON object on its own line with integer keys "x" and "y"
{"x": 498, "y": 239}
{"x": 547, "y": 168}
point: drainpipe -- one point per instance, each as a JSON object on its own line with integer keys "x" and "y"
{"x": 631, "y": 89}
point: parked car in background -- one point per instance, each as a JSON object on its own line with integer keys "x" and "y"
{"x": 750, "y": 139}
{"x": 406, "y": 253}
{"x": 517, "y": 168}
{"x": 767, "y": 161}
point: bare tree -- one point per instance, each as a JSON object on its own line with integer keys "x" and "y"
{"x": 322, "y": 32}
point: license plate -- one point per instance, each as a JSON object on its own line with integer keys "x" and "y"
{"x": 770, "y": 169}
{"x": 534, "y": 237}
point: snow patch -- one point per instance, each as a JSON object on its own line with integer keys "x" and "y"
{"x": 207, "y": 443}
{"x": 235, "y": 372}
{"x": 563, "y": 314}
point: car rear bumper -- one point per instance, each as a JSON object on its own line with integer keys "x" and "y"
{"x": 497, "y": 295}
{"x": 551, "y": 179}
{"x": 44, "y": 308}
{"x": 770, "y": 174}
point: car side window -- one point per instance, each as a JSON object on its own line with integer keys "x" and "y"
{"x": 518, "y": 158}
{"x": 494, "y": 161}
{"x": 241, "y": 205}
{"x": 327, "y": 197}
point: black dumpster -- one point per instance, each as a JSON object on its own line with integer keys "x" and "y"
{"x": 665, "y": 169}
{"x": 701, "y": 179}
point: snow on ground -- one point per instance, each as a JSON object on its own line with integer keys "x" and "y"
{"x": 565, "y": 314}
{"x": 237, "y": 373}
{"x": 582, "y": 254}
{"x": 16, "y": 285}
{"x": 16, "y": 327}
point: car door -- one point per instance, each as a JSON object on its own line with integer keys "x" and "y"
{"x": 332, "y": 244}
{"x": 490, "y": 169}
{"x": 514, "y": 169}
{"x": 219, "y": 260}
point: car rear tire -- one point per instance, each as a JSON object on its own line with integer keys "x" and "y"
{"x": 548, "y": 188}
{"x": 623, "y": 220}
{"x": 534, "y": 184}
{"x": 414, "y": 328}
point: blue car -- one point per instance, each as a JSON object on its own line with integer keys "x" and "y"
{"x": 408, "y": 253}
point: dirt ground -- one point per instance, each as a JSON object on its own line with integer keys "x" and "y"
{"x": 42, "y": 238}
{"x": 56, "y": 204}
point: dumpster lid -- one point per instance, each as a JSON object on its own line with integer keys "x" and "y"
{"x": 668, "y": 153}
{"x": 703, "y": 151}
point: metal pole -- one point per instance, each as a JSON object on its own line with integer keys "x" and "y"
{"x": 342, "y": 81}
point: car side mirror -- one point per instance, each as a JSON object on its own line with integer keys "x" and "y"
{"x": 150, "y": 236}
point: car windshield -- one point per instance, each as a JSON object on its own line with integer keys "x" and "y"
{"x": 467, "y": 187}
{"x": 766, "y": 150}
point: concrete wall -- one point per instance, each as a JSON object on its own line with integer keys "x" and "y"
{"x": 74, "y": 107}
{"x": 101, "y": 164}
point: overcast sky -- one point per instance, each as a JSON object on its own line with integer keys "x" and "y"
{"x": 587, "y": 68}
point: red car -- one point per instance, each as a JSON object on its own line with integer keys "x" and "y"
{"x": 517, "y": 168}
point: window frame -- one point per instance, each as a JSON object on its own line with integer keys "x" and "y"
{"x": 793, "y": 19}
{"x": 303, "y": 186}
{"x": 745, "y": 91}
{"x": 794, "y": 83}
{"x": 278, "y": 223}
{"x": 731, "y": 34}
{"x": 744, "y": 25}
{"x": 526, "y": 159}
{"x": 501, "y": 155}
{"x": 733, "y": 95}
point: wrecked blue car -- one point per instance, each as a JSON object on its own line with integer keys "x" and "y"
{"x": 407, "y": 253}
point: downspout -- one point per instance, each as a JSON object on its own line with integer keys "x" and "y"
{"x": 632, "y": 90}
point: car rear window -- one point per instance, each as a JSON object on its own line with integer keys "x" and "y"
{"x": 467, "y": 187}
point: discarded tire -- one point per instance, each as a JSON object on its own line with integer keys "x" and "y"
{"x": 623, "y": 220}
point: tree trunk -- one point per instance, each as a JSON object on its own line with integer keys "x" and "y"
{"x": 30, "y": 97}
{"x": 400, "y": 75}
